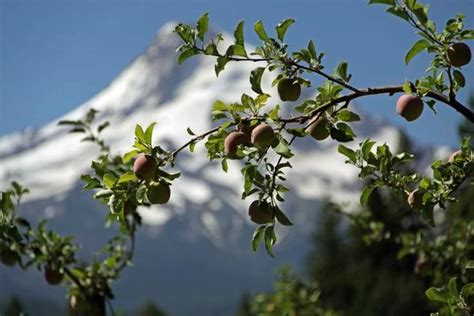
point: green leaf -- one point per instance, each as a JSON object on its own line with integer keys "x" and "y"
{"x": 467, "y": 290}
{"x": 349, "y": 153}
{"x": 77, "y": 129}
{"x": 109, "y": 180}
{"x": 399, "y": 12}
{"x": 459, "y": 78}
{"x": 282, "y": 218}
{"x": 256, "y": 79}
{"x": 427, "y": 214}
{"x": 419, "y": 46}
{"x": 298, "y": 132}
{"x": 224, "y": 165}
{"x": 192, "y": 146}
{"x": 257, "y": 236}
{"x": 467, "y": 34}
{"x": 348, "y": 116}
{"x": 103, "y": 193}
{"x": 421, "y": 12}
{"x": 211, "y": 49}
{"x": 140, "y": 134}
{"x": 312, "y": 50}
{"x": 342, "y": 133}
{"x": 282, "y": 27}
{"x": 127, "y": 177}
{"x": 365, "y": 195}
{"x": 402, "y": 158}
{"x": 186, "y": 54}
{"x": 239, "y": 34}
{"x": 470, "y": 264}
{"x": 366, "y": 148}
{"x": 260, "y": 30}
{"x": 202, "y": 26}
{"x": 341, "y": 71}
{"x": 236, "y": 50}
{"x": 102, "y": 126}
{"x": 437, "y": 295}
{"x": 149, "y": 133}
{"x": 220, "y": 64}
{"x": 68, "y": 122}
{"x": 129, "y": 156}
{"x": 452, "y": 287}
{"x": 270, "y": 240}
{"x": 388, "y": 2}
{"x": 274, "y": 113}
{"x": 283, "y": 149}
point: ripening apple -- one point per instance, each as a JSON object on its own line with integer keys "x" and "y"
{"x": 421, "y": 264}
{"x": 289, "y": 89}
{"x": 158, "y": 193}
{"x": 415, "y": 199}
{"x": 233, "y": 140}
{"x": 262, "y": 136}
{"x": 52, "y": 276}
{"x": 454, "y": 155}
{"x": 409, "y": 107}
{"x": 319, "y": 128}
{"x": 260, "y": 212}
{"x": 145, "y": 167}
{"x": 459, "y": 54}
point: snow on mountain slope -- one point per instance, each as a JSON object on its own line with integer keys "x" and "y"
{"x": 205, "y": 221}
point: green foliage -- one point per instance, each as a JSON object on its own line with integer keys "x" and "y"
{"x": 116, "y": 183}
{"x": 382, "y": 168}
{"x": 292, "y": 297}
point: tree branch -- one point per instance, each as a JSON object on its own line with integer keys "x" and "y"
{"x": 385, "y": 90}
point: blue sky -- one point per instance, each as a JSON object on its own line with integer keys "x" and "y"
{"x": 56, "y": 54}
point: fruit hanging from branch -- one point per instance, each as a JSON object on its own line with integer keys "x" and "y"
{"x": 318, "y": 128}
{"x": 459, "y": 54}
{"x": 145, "y": 167}
{"x": 52, "y": 275}
{"x": 415, "y": 199}
{"x": 233, "y": 140}
{"x": 261, "y": 212}
{"x": 158, "y": 193}
{"x": 262, "y": 136}
{"x": 289, "y": 89}
{"x": 409, "y": 107}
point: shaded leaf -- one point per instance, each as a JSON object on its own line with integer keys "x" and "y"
{"x": 282, "y": 27}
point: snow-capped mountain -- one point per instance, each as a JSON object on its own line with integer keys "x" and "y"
{"x": 193, "y": 255}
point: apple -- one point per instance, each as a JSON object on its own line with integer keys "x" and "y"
{"x": 260, "y": 212}
{"x": 409, "y": 107}
{"x": 145, "y": 167}
{"x": 318, "y": 128}
{"x": 158, "y": 193}
{"x": 52, "y": 276}
{"x": 289, "y": 89}
{"x": 459, "y": 54}
{"x": 262, "y": 136}
{"x": 233, "y": 140}
{"x": 421, "y": 264}
{"x": 415, "y": 199}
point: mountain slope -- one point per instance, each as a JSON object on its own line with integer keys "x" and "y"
{"x": 193, "y": 255}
